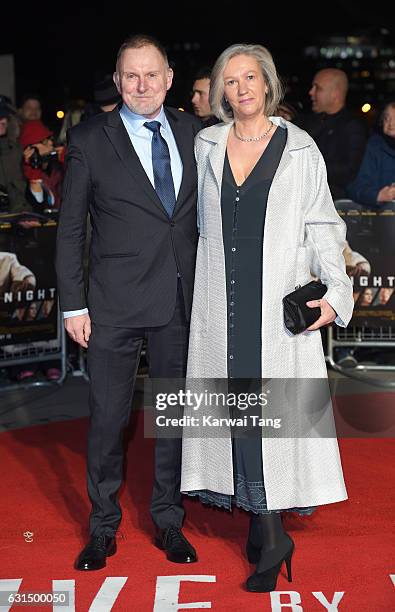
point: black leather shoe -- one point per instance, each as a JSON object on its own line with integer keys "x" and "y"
{"x": 93, "y": 556}
{"x": 175, "y": 544}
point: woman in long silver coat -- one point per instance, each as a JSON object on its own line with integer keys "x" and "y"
{"x": 267, "y": 224}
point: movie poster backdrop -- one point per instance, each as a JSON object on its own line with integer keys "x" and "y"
{"x": 370, "y": 262}
{"x": 28, "y": 295}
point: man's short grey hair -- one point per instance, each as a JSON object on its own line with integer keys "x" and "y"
{"x": 219, "y": 106}
{"x": 137, "y": 41}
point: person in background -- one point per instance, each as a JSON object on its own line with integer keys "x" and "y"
{"x": 72, "y": 117}
{"x": 375, "y": 182}
{"x": 200, "y": 98}
{"x": 340, "y": 136}
{"x": 30, "y": 108}
{"x": 12, "y": 182}
{"x": 286, "y": 110}
{"x": 105, "y": 96}
{"x": 42, "y": 167}
{"x": 13, "y": 129}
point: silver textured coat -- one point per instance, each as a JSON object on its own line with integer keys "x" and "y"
{"x": 303, "y": 236}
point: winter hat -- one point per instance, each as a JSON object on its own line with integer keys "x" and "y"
{"x": 32, "y": 132}
{"x": 5, "y": 107}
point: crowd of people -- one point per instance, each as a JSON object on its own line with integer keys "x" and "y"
{"x": 359, "y": 166}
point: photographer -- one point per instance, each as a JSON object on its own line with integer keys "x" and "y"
{"x": 12, "y": 182}
{"x": 42, "y": 167}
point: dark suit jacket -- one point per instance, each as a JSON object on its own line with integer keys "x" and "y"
{"x": 136, "y": 250}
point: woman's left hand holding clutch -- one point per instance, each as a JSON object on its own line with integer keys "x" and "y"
{"x": 328, "y": 315}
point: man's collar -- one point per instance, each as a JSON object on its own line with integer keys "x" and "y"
{"x": 329, "y": 116}
{"x": 136, "y": 122}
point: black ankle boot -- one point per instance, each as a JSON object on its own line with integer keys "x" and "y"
{"x": 264, "y": 582}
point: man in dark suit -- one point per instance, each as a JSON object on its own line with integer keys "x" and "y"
{"x": 133, "y": 171}
{"x": 340, "y": 136}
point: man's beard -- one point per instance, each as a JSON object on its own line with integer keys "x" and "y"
{"x": 144, "y": 106}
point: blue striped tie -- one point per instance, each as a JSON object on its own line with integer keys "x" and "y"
{"x": 163, "y": 178}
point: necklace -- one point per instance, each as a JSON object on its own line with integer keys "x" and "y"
{"x": 253, "y": 138}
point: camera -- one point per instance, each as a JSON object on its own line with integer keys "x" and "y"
{"x": 37, "y": 161}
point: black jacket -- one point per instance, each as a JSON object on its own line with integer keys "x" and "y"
{"x": 136, "y": 250}
{"x": 341, "y": 138}
{"x": 377, "y": 171}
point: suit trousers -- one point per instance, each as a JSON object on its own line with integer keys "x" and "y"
{"x": 113, "y": 358}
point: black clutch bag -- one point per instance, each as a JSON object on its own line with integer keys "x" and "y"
{"x": 298, "y": 316}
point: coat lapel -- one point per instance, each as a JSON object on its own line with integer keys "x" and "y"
{"x": 295, "y": 140}
{"x": 218, "y": 135}
{"x": 280, "y": 188}
{"x": 120, "y": 140}
{"x": 183, "y": 139}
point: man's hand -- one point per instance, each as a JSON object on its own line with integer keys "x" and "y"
{"x": 327, "y": 313}
{"x": 79, "y": 328}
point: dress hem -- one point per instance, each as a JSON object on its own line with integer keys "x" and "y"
{"x": 204, "y": 499}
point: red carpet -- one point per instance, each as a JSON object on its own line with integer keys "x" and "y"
{"x": 346, "y": 547}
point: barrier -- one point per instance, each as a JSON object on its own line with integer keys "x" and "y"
{"x": 33, "y": 353}
{"x": 27, "y": 277}
{"x": 31, "y": 330}
{"x": 373, "y": 322}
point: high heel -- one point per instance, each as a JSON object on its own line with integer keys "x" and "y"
{"x": 264, "y": 582}
{"x": 288, "y": 560}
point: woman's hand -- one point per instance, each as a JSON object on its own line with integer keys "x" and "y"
{"x": 327, "y": 313}
{"x": 386, "y": 194}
